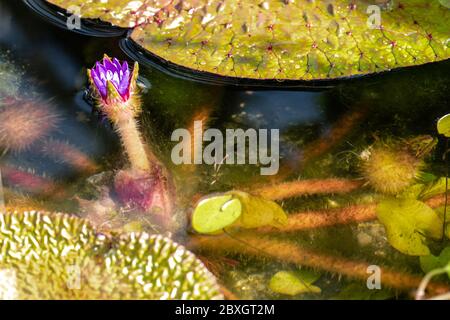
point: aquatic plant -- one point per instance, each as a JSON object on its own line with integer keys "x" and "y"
{"x": 236, "y": 208}
{"x": 25, "y": 122}
{"x": 408, "y": 224}
{"x": 434, "y": 267}
{"x": 293, "y": 283}
{"x": 295, "y": 40}
{"x": 259, "y": 246}
{"x": 147, "y": 191}
{"x": 29, "y": 181}
{"x": 56, "y": 256}
{"x": 64, "y": 152}
{"x": 145, "y": 185}
{"x": 115, "y": 90}
{"x": 391, "y": 166}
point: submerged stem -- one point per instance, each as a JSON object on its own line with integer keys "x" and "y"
{"x": 307, "y": 187}
{"x": 446, "y": 189}
{"x": 288, "y": 252}
{"x": 326, "y": 218}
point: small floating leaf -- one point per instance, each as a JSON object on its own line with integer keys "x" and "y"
{"x": 426, "y": 189}
{"x": 213, "y": 214}
{"x": 430, "y": 262}
{"x": 408, "y": 222}
{"x": 443, "y": 125}
{"x": 259, "y": 212}
{"x": 293, "y": 283}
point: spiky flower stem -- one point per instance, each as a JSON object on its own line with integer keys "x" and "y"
{"x": 132, "y": 142}
{"x": 116, "y": 92}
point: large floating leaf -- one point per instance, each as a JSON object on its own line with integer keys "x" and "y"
{"x": 408, "y": 223}
{"x": 50, "y": 256}
{"x": 284, "y": 40}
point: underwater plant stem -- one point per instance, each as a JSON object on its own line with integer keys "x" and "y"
{"x": 420, "y": 293}
{"x": 285, "y": 251}
{"x": 132, "y": 142}
{"x": 307, "y": 187}
{"x": 326, "y": 218}
{"x": 228, "y": 294}
{"x": 64, "y": 152}
{"x": 445, "y": 296}
{"x": 446, "y": 189}
{"x": 332, "y": 217}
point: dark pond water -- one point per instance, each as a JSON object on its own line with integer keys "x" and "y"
{"x": 322, "y": 133}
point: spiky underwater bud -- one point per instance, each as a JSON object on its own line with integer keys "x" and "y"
{"x": 56, "y": 256}
{"x": 147, "y": 191}
{"x": 390, "y": 167}
{"x": 115, "y": 90}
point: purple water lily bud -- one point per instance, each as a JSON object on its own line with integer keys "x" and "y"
{"x": 114, "y": 86}
{"x": 115, "y": 72}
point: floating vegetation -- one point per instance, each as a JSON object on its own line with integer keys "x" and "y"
{"x": 294, "y": 283}
{"x": 55, "y": 256}
{"x": 213, "y": 214}
{"x": 283, "y": 40}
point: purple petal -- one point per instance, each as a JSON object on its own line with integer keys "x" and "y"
{"x": 100, "y": 85}
{"x": 117, "y": 64}
{"x": 125, "y": 83}
{"x": 109, "y": 65}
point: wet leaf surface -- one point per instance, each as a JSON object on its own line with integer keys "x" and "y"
{"x": 408, "y": 223}
{"x": 294, "y": 283}
{"x": 283, "y": 40}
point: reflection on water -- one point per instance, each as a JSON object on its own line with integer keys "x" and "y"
{"x": 62, "y": 154}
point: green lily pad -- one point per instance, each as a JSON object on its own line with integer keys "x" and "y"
{"x": 282, "y": 40}
{"x": 213, "y": 214}
{"x": 430, "y": 262}
{"x": 443, "y": 125}
{"x": 426, "y": 189}
{"x": 55, "y": 256}
{"x": 408, "y": 223}
{"x": 294, "y": 283}
{"x": 236, "y": 208}
{"x": 259, "y": 212}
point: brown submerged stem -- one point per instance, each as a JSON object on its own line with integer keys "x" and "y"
{"x": 307, "y": 187}
{"x": 327, "y": 218}
{"x": 264, "y": 247}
